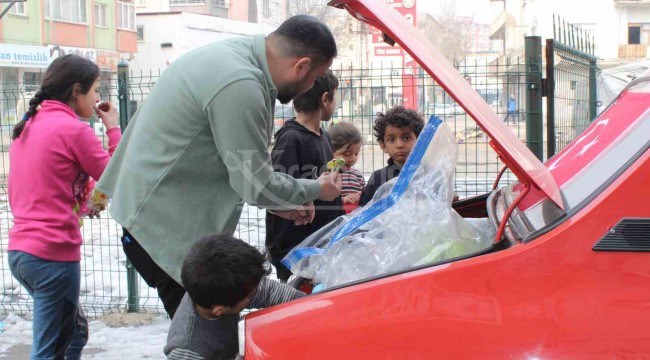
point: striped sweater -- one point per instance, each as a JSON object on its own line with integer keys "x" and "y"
{"x": 353, "y": 181}
{"x": 194, "y": 338}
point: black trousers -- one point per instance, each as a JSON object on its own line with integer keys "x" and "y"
{"x": 169, "y": 291}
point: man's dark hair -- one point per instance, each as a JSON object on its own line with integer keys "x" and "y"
{"x": 400, "y": 117}
{"x": 306, "y": 36}
{"x": 310, "y": 100}
{"x": 222, "y": 270}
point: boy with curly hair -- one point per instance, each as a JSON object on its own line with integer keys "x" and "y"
{"x": 396, "y": 131}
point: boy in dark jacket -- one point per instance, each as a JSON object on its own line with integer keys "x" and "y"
{"x": 302, "y": 150}
{"x": 396, "y": 131}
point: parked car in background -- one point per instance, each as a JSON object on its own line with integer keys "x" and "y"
{"x": 565, "y": 278}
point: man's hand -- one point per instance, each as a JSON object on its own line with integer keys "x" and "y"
{"x": 301, "y": 216}
{"x": 330, "y": 186}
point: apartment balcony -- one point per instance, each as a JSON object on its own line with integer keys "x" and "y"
{"x": 633, "y": 51}
{"x": 499, "y": 25}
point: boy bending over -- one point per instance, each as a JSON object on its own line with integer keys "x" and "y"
{"x": 223, "y": 276}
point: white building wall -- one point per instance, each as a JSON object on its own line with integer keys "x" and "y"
{"x": 601, "y": 18}
{"x": 184, "y": 31}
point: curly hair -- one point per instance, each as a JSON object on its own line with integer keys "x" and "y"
{"x": 400, "y": 117}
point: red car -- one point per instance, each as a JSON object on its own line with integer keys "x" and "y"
{"x": 568, "y": 275}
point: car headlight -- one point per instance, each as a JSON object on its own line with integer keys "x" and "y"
{"x": 241, "y": 332}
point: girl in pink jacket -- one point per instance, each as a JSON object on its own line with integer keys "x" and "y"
{"x": 52, "y": 158}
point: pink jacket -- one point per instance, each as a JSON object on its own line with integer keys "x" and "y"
{"x": 49, "y": 167}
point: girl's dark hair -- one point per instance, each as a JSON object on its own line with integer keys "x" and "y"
{"x": 343, "y": 135}
{"x": 58, "y": 83}
{"x": 400, "y": 117}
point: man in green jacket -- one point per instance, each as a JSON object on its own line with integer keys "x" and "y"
{"x": 198, "y": 148}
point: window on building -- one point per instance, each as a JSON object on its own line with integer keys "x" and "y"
{"x": 266, "y": 8}
{"x": 100, "y": 15}
{"x": 32, "y": 81}
{"x": 140, "y": 32}
{"x": 220, "y": 3}
{"x": 252, "y": 11}
{"x": 271, "y": 10}
{"x": 186, "y": 2}
{"x": 638, "y": 34}
{"x": 18, "y": 9}
{"x": 126, "y": 15}
{"x": 634, "y": 34}
{"x": 66, "y": 10}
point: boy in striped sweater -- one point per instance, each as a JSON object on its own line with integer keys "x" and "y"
{"x": 223, "y": 276}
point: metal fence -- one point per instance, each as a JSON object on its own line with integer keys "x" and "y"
{"x": 362, "y": 93}
{"x": 571, "y": 84}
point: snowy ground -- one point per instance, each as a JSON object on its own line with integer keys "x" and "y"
{"x": 140, "y": 337}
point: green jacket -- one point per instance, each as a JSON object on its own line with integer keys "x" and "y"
{"x": 196, "y": 148}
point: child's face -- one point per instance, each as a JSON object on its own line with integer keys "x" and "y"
{"x": 350, "y": 154}
{"x": 328, "y": 106}
{"x": 84, "y": 104}
{"x": 398, "y": 143}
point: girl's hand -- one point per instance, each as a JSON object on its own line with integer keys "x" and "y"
{"x": 108, "y": 113}
{"x": 352, "y": 198}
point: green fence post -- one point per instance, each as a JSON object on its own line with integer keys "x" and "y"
{"x": 123, "y": 93}
{"x": 550, "y": 98}
{"x": 133, "y": 303}
{"x": 534, "y": 117}
{"x": 593, "y": 101}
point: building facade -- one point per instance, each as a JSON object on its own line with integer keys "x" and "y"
{"x": 168, "y": 29}
{"x": 34, "y": 33}
{"x": 620, "y": 28}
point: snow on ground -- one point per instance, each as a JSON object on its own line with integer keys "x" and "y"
{"x": 140, "y": 337}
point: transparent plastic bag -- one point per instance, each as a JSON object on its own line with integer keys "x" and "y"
{"x": 408, "y": 223}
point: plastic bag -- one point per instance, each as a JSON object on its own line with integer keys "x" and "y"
{"x": 408, "y": 223}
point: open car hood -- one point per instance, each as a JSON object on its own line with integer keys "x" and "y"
{"x": 510, "y": 149}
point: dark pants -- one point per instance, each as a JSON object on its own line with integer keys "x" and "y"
{"x": 169, "y": 291}
{"x": 282, "y": 272}
{"x": 512, "y": 115}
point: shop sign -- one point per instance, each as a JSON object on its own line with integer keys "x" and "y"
{"x": 24, "y": 56}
